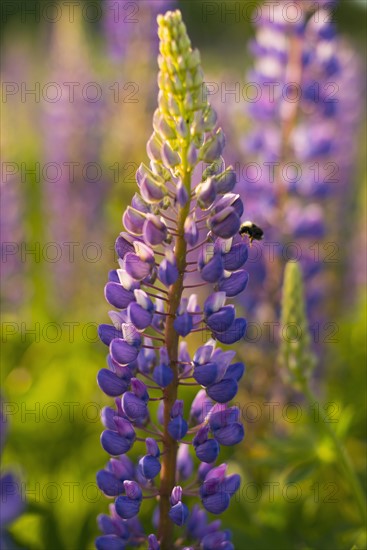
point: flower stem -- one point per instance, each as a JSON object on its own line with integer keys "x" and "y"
{"x": 168, "y": 472}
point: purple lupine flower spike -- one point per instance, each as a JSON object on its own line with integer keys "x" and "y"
{"x": 290, "y": 135}
{"x": 164, "y": 258}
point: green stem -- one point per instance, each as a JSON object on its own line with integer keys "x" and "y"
{"x": 168, "y": 471}
{"x": 343, "y": 455}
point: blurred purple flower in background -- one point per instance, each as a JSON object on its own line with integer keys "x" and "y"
{"x": 15, "y": 67}
{"x": 125, "y": 22}
{"x": 302, "y": 146}
{"x": 76, "y": 186}
{"x": 12, "y": 499}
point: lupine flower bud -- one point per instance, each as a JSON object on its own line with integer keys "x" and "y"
{"x": 115, "y": 444}
{"x": 154, "y": 230}
{"x": 234, "y": 283}
{"x": 213, "y": 148}
{"x": 167, "y": 271}
{"x": 207, "y": 450}
{"x": 210, "y": 264}
{"x": 191, "y": 231}
{"x": 162, "y": 373}
{"x": 183, "y": 323}
{"x": 150, "y": 466}
{"x": 206, "y": 193}
{"x": 153, "y": 544}
{"x": 133, "y": 407}
{"x": 182, "y": 194}
{"x": 111, "y": 384}
{"x": 133, "y": 221}
{"x": 179, "y": 511}
{"x": 225, "y": 223}
{"x": 177, "y": 427}
{"x": 225, "y": 181}
{"x": 128, "y": 506}
{"x": 170, "y": 157}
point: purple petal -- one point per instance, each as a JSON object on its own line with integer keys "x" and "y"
{"x": 124, "y": 427}
{"x": 217, "y": 503}
{"x": 109, "y": 484}
{"x": 154, "y": 230}
{"x": 167, "y": 272}
{"x": 226, "y": 181}
{"x": 235, "y": 371}
{"x": 123, "y": 246}
{"x": 12, "y": 501}
{"x": 111, "y": 384}
{"x": 131, "y": 335}
{"x": 230, "y": 199}
{"x": 208, "y": 451}
{"x": 183, "y": 324}
{"x": 206, "y": 193}
{"x": 177, "y": 408}
{"x": 234, "y": 284}
{"x": 225, "y": 223}
{"x": 230, "y": 435}
{"x": 236, "y": 257}
{"x": 214, "y": 303}
{"x": 150, "y": 466}
{"x": 221, "y": 416}
{"x": 126, "y": 507}
{"x": 133, "y": 407}
{"x": 122, "y": 352}
{"x": 139, "y": 316}
{"x": 136, "y": 267}
{"x": 139, "y": 389}
{"x": 231, "y": 484}
{"x": 200, "y": 406}
{"x": 117, "y": 295}
{"x": 223, "y": 391}
{"x": 107, "y": 333}
{"x": 205, "y": 374}
{"x": 114, "y": 444}
{"x": 191, "y": 232}
{"x": 121, "y": 467}
{"x": 139, "y": 204}
{"x": 177, "y": 427}
{"x": 133, "y": 221}
{"x": 163, "y": 375}
{"x": 133, "y": 490}
{"x": 179, "y": 513}
{"x": 213, "y": 270}
{"x": 222, "y": 320}
{"x": 203, "y": 354}
{"x": 113, "y": 277}
{"x": 234, "y": 333}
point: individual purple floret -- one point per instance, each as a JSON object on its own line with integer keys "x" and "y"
{"x": 181, "y": 235}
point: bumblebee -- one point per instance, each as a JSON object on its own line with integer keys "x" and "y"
{"x": 253, "y": 231}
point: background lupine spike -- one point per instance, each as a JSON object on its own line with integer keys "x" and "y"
{"x": 164, "y": 225}
{"x": 295, "y": 354}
